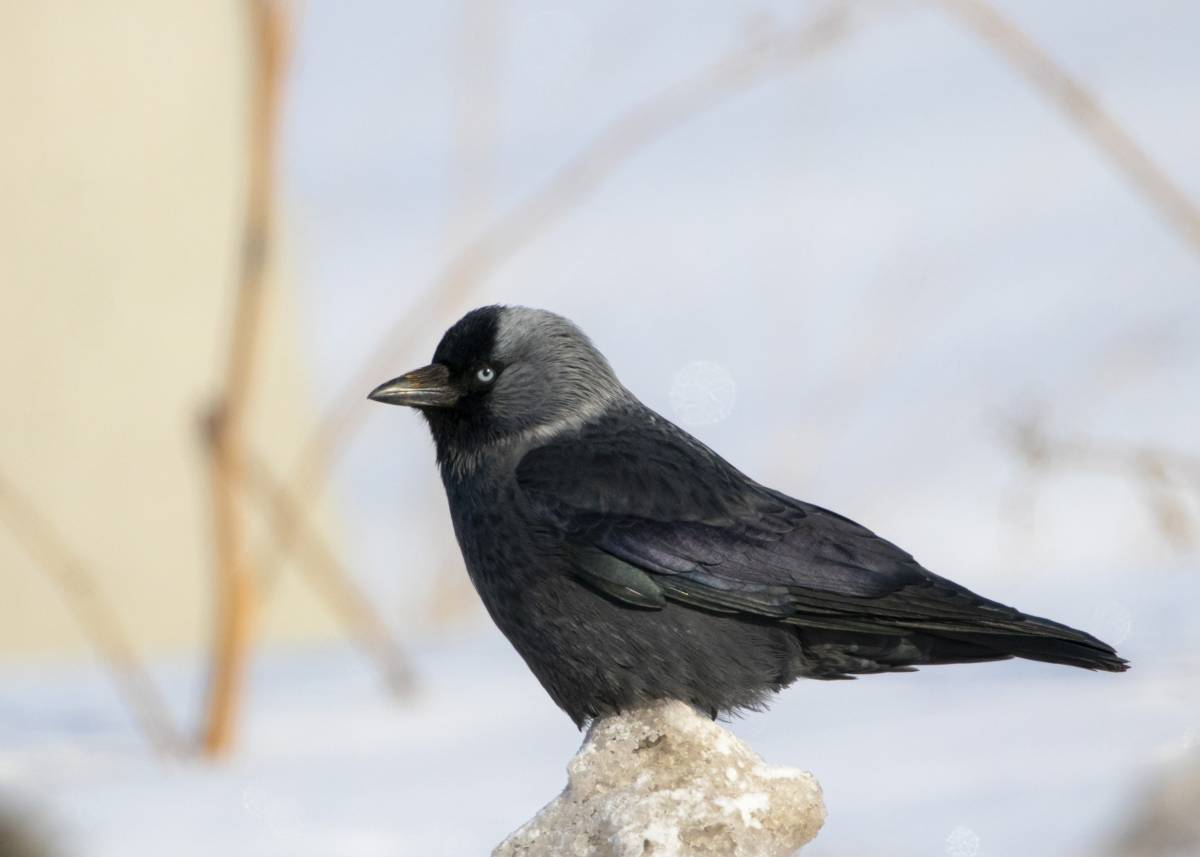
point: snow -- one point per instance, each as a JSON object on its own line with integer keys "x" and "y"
{"x": 1031, "y": 759}
{"x": 746, "y": 805}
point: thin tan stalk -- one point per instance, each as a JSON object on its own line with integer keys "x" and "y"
{"x": 319, "y": 563}
{"x": 95, "y": 615}
{"x": 476, "y": 116}
{"x": 235, "y": 588}
{"x": 1083, "y": 109}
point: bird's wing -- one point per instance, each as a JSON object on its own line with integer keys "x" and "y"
{"x": 652, "y": 514}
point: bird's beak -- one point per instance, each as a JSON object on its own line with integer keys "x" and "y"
{"x": 427, "y": 387}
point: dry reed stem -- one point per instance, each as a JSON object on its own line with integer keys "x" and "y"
{"x": 329, "y": 577}
{"x": 476, "y": 117}
{"x": 1159, "y": 471}
{"x": 99, "y": 621}
{"x": 1073, "y": 99}
{"x": 1039, "y": 449}
{"x": 235, "y": 584}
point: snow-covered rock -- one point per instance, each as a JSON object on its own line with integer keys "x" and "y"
{"x": 666, "y": 781}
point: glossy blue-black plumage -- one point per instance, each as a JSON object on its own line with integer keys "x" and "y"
{"x": 626, "y": 561}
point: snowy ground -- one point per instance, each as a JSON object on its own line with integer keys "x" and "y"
{"x": 969, "y": 761}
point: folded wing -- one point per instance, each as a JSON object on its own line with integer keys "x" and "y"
{"x": 653, "y": 515}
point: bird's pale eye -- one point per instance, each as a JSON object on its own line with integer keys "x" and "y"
{"x": 486, "y": 374}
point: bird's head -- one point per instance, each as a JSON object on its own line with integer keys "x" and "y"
{"x": 504, "y": 372}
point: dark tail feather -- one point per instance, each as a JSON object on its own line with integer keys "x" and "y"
{"x": 1069, "y": 652}
{"x": 1037, "y": 639}
{"x": 842, "y": 653}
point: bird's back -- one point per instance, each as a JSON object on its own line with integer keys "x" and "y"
{"x": 627, "y": 561}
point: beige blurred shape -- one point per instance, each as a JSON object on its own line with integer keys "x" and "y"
{"x": 122, "y": 168}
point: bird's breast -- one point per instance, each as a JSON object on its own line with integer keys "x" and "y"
{"x": 508, "y": 557}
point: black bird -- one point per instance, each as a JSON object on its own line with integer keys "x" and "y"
{"x": 626, "y": 561}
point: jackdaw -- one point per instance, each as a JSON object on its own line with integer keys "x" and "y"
{"x": 627, "y": 562}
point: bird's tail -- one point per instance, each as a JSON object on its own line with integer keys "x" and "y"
{"x": 838, "y": 653}
{"x": 1038, "y": 639}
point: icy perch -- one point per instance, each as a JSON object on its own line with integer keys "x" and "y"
{"x": 668, "y": 782}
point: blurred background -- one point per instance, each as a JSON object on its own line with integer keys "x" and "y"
{"x": 935, "y": 265}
